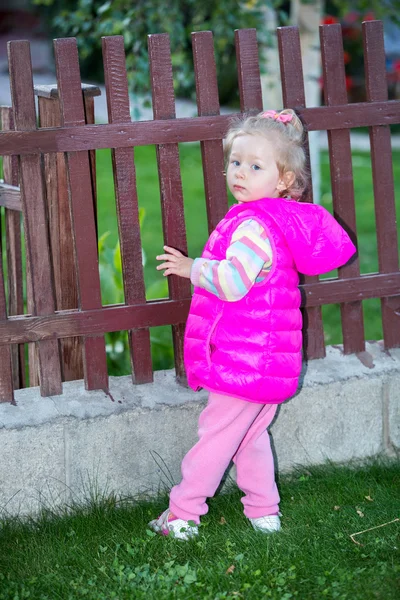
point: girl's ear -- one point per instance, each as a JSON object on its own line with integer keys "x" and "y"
{"x": 288, "y": 178}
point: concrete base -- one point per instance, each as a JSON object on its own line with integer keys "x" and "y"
{"x": 68, "y": 448}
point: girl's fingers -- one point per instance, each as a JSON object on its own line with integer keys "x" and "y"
{"x": 173, "y": 251}
{"x": 165, "y": 265}
{"x": 166, "y": 257}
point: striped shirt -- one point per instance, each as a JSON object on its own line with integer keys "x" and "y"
{"x": 248, "y": 261}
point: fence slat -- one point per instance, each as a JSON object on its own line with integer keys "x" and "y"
{"x": 170, "y": 178}
{"x": 294, "y": 96}
{"x": 13, "y": 251}
{"x": 212, "y": 151}
{"x": 342, "y": 178}
{"x": 248, "y": 70}
{"x": 34, "y": 213}
{"x": 382, "y": 174}
{"x": 82, "y": 209}
{"x": 127, "y": 205}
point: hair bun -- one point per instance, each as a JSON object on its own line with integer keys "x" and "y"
{"x": 294, "y": 122}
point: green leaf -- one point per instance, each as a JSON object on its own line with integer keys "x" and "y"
{"x": 103, "y": 8}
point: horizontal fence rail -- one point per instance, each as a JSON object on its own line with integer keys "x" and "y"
{"x": 173, "y": 131}
{"x": 50, "y": 177}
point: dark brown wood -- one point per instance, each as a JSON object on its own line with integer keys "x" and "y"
{"x": 34, "y": 214}
{"x": 93, "y": 322}
{"x": 83, "y": 217}
{"x": 10, "y": 197}
{"x": 14, "y": 254}
{"x": 170, "y": 179}
{"x": 155, "y": 313}
{"x": 293, "y": 94}
{"x": 248, "y": 70}
{"x": 212, "y": 151}
{"x": 333, "y": 291}
{"x": 382, "y": 173}
{"x": 61, "y": 237}
{"x": 127, "y": 205}
{"x": 144, "y": 133}
{"x": 342, "y": 178}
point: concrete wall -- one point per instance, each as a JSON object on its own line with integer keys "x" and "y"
{"x": 60, "y": 449}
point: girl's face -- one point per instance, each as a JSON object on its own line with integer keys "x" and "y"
{"x": 252, "y": 171}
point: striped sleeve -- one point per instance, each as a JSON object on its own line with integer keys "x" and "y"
{"x": 248, "y": 259}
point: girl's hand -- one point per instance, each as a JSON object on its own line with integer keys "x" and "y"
{"x": 175, "y": 263}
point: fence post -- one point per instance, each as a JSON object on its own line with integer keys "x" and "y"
{"x": 61, "y": 237}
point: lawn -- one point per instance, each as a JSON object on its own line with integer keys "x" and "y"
{"x": 106, "y": 551}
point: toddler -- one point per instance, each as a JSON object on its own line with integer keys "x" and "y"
{"x": 243, "y": 338}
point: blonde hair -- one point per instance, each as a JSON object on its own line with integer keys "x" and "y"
{"x": 288, "y": 138}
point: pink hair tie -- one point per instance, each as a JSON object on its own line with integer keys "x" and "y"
{"x": 272, "y": 114}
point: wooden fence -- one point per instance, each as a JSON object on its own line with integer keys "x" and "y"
{"x": 54, "y": 166}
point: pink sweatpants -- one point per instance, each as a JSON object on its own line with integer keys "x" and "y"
{"x": 229, "y": 428}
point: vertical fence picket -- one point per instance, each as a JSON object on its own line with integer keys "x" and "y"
{"x": 82, "y": 210}
{"x": 294, "y": 96}
{"x": 127, "y": 204}
{"x": 248, "y": 70}
{"x": 212, "y": 151}
{"x": 34, "y": 213}
{"x": 14, "y": 254}
{"x": 382, "y": 172}
{"x": 170, "y": 178}
{"x": 342, "y": 178}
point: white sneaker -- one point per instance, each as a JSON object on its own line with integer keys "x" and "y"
{"x": 268, "y": 524}
{"x": 167, "y": 524}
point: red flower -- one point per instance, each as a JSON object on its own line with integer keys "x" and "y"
{"x": 349, "y": 82}
{"x": 369, "y": 17}
{"x": 329, "y": 20}
{"x": 347, "y": 57}
{"x": 396, "y": 65}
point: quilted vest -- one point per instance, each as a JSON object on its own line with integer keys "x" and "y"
{"x": 252, "y": 349}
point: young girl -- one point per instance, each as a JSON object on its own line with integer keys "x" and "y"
{"x": 243, "y": 339}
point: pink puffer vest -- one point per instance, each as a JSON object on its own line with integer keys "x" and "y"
{"x": 252, "y": 349}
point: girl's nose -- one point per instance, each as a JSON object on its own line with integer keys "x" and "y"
{"x": 240, "y": 173}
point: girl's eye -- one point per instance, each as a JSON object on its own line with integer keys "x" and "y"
{"x": 255, "y": 167}
{"x": 235, "y": 163}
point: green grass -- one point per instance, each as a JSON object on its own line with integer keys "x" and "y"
{"x": 104, "y": 552}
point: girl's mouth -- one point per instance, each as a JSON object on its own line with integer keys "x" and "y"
{"x": 238, "y": 187}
